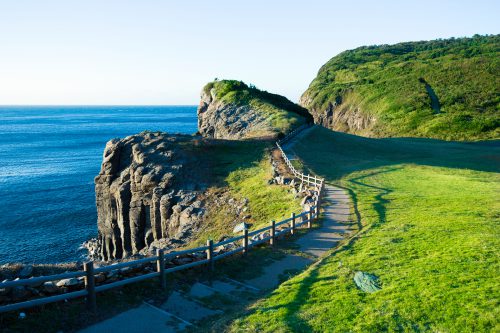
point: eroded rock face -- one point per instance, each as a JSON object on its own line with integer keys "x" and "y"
{"x": 146, "y": 191}
{"x": 341, "y": 116}
{"x": 219, "y": 120}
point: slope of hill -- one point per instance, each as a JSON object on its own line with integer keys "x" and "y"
{"x": 429, "y": 232}
{"x": 446, "y": 89}
{"x": 231, "y": 109}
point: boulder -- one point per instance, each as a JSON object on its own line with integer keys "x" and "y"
{"x": 68, "y": 282}
{"x": 240, "y": 227}
{"x": 50, "y": 287}
{"x": 223, "y": 117}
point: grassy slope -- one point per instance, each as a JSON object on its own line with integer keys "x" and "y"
{"x": 244, "y": 168}
{"x": 385, "y": 81}
{"x": 430, "y": 232}
{"x": 282, "y": 114}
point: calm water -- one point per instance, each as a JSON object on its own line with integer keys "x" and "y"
{"x": 49, "y": 157}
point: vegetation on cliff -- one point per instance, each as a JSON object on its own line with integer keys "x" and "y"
{"x": 430, "y": 233}
{"x": 240, "y": 171}
{"x": 446, "y": 89}
{"x": 231, "y": 109}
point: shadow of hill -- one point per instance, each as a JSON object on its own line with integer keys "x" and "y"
{"x": 335, "y": 154}
{"x": 218, "y": 158}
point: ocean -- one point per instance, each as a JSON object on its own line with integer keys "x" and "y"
{"x": 49, "y": 156}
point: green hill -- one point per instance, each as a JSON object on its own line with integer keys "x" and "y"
{"x": 230, "y": 109}
{"x": 445, "y": 89}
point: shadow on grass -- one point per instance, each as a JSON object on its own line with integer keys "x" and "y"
{"x": 292, "y": 319}
{"x": 221, "y": 157}
{"x": 379, "y": 205}
{"x": 334, "y": 155}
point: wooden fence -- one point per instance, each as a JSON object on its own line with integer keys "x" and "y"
{"x": 242, "y": 244}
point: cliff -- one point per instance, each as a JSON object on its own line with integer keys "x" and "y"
{"x": 232, "y": 110}
{"x": 146, "y": 191}
{"x": 444, "y": 89}
{"x": 159, "y": 190}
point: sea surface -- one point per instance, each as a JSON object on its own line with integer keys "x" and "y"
{"x": 49, "y": 156}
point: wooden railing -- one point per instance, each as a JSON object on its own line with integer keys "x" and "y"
{"x": 162, "y": 260}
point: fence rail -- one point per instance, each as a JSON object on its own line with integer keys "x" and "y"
{"x": 266, "y": 234}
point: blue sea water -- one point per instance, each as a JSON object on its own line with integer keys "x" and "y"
{"x": 49, "y": 156}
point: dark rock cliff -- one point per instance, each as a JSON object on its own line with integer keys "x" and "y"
{"x": 146, "y": 191}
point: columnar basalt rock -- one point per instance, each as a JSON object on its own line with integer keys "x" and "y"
{"x": 145, "y": 191}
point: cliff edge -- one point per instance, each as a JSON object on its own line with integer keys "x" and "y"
{"x": 146, "y": 191}
{"x": 231, "y": 109}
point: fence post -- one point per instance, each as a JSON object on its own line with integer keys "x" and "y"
{"x": 309, "y": 220}
{"x": 273, "y": 232}
{"x": 88, "y": 267}
{"x": 160, "y": 268}
{"x": 318, "y": 201}
{"x": 245, "y": 241}
{"x": 293, "y": 224}
{"x": 210, "y": 254}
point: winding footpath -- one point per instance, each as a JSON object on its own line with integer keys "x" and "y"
{"x": 183, "y": 309}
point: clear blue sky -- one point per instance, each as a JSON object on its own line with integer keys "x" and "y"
{"x": 163, "y": 52}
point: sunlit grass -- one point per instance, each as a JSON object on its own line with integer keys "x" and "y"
{"x": 430, "y": 218}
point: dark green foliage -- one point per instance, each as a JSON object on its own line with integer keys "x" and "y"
{"x": 392, "y": 83}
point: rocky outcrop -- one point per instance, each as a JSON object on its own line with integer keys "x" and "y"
{"x": 220, "y": 120}
{"x": 146, "y": 191}
{"x": 232, "y": 110}
{"x": 341, "y": 115}
{"x": 151, "y": 190}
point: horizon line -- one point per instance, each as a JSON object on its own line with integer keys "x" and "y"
{"x": 10, "y": 105}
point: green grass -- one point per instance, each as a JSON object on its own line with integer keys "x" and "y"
{"x": 430, "y": 218}
{"x": 243, "y": 169}
{"x": 387, "y": 82}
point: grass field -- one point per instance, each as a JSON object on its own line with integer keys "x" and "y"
{"x": 430, "y": 216}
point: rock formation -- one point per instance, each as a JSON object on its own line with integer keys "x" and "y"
{"x": 342, "y": 116}
{"x": 233, "y": 110}
{"x": 146, "y": 190}
{"x": 151, "y": 190}
{"x": 219, "y": 120}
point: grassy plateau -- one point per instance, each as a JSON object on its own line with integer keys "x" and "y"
{"x": 430, "y": 231}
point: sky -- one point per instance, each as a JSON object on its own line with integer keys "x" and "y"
{"x": 152, "y": 52}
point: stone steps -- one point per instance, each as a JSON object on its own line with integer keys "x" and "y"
{"x": 197, "y": 304}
